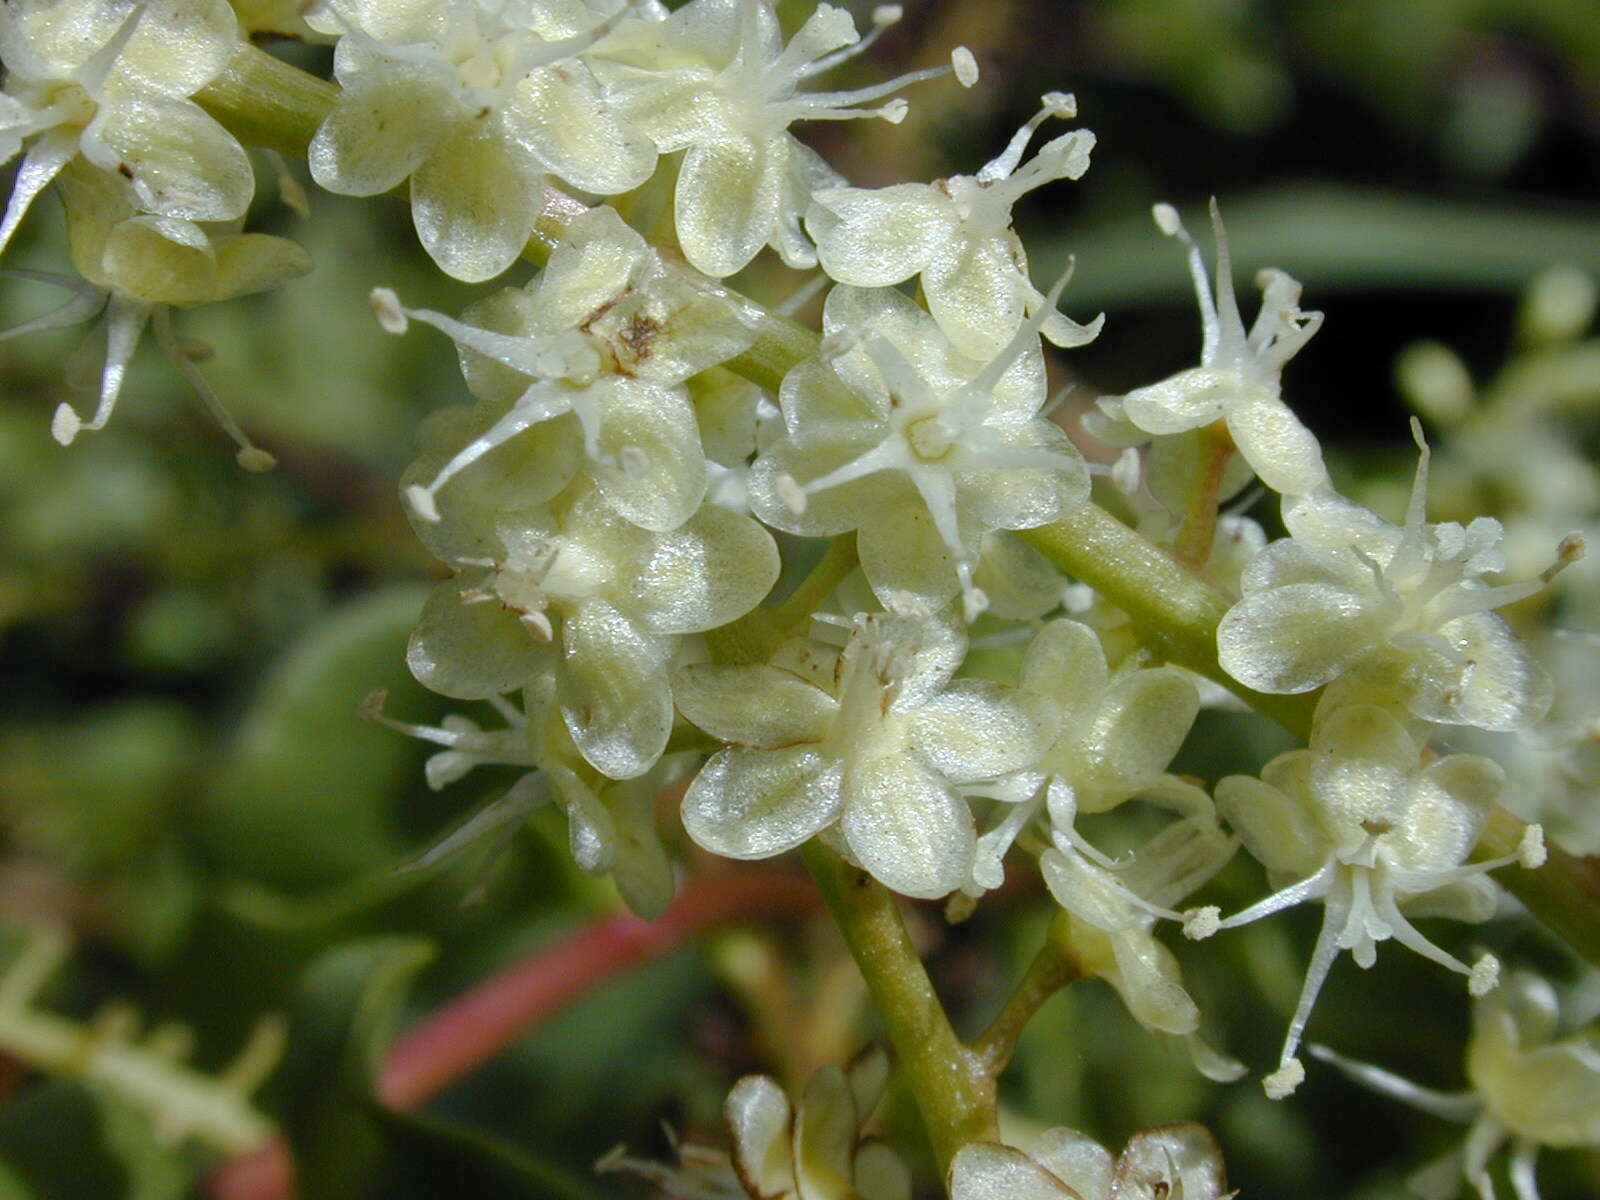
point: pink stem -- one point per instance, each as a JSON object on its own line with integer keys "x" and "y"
{"x": 471, "y": 1030}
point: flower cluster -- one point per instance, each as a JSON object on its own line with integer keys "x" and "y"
{"x": 613, "y": 510}
{"x": 99, "y": 97}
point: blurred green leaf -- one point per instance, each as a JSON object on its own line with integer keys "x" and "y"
{"x": 343, "y": 1014}
{"x": 306, "y": 795}
{"x": 1329, "y": 238}
{"x": 429, "y": 1157}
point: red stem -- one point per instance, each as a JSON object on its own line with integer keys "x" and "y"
{"x": 472, "y": 1029}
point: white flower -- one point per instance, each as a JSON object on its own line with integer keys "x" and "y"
{"x": 922, "y": 450}
{"x": 572, "y": 588}
{"x": 1113, "y": 734}
{"x": 883, "y": 753}
{"x": 956, "y": 233}
{"x": 475, "y": 103}
{"x": 604, "y": 338}
{"x": 1528, "y": 1087}
{"x": 1404, "y": 612}
{"x": 136, "y": 268}
{"x": 811, "y": 1151}
{"x": 1362, "y": 823}
{"x": 109, "y": 80}
{"x": 1239, "y": 376}
{"x": 1113, "y": 908}
{"x": 716, "y": 80}
{"x": 611, "y": 824}
{"x": 1170, "y": 1162}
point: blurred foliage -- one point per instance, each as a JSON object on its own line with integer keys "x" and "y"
{"x": 185, "y": 785}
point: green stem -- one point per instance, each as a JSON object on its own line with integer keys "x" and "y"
{"x": 1198, "y": 530}
{"x": 1052, "y": 968}
{"x": 264, "y": 101}
{"x": 953, "y": 1090}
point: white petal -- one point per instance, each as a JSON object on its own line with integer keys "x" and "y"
{"x": 1187, "y": 400}
{"x": 474, "y": 202}
{"x": 1295, "y": 638}
{"x": 471, "y": 651}
{"x": 989, "y": 1171}
{"x": 380, "y": 129}
{"x": 1077, "y": 1160}
{"x": 756, "y": 803}
{"x": 825, "y": 1137}
{"x": 876, "y": 238}
{"x": 615, "y": 692}
{"x": 759, "y": 1123}
{"x": 1284, "y": 453}
{"x": 753, "y": 704}
{"x": 712, "y": 570}
{"x": 976, "y": 729}
{"x": 727, "y": 201}
{"x": 180, "y": 162}
{"x": 558, "y": 114}
{"x": 907, "y": 827}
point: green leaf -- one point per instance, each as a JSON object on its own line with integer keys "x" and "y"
{"x": 306, "y": 796}
{"x": 343, "y": 1014}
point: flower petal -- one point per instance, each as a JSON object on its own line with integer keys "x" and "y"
{"x": 558, "y": 114}
{"x": 1295, "y": 638}
{"x": 748, "y": 803}
{"x": 179, "y": 161}
{"x": 753, "y": 704}
{"x": 713, "y": 569}
{"x": 907, "y": 827}
{"x": 650, "y": 466}
{"x": 471, "y": 651}
{"x": 976, "y": 729}
{"x": 727, "y": 200}
{"x": 990, "y": 1171}
{"x": 877, "y": 238}
{"x": 381, "y": 128}
{"x": 615, "y": 692}
{"x": 759, "y": 1123}
{"x": 1285, "y": 454}
{"x": 473, "y": 202}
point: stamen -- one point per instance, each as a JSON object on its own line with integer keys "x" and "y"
{"x": 250, "y": 456}
{"x": 883, "y": 17}
{"x": 1169, "y": 223}
{"x": 1054, "y": 104}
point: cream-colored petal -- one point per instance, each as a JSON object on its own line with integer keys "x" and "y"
{"x": 1182, "y": 1159}
{"x": 825, "y": 1137}
{"x": 1277, "y": 828}
{"x": 1503, "y": 689}
{"x": 474, "y": 202}
{"x": 1066, "y": 664}
{"x": 178, "y": 160}
{"x": 1077, "y": 1160}
{"x": 161, "y": 260}
{"x": 1143, "y": 720}
{"x": 727, "y": 200}
{"x": 753, "y": 704}
{"x": 907, "y": 827}
{"x": 976, "y": 729}
{"x": 614, "y": 688}
{"x": 1285, "y": 454}
{"x": 382, "y": 127}
{"x": 1362, "y": 762}
{"x": 759, "y": 1124}
{"x": 879, "y": 1173}
{"x": 1450, "y": 800}
{"x": 713, "y": 569}
{"x": 1296, "y": 638}
{"x": 558, "y": 114}
{"x": 649, "y": 465}
{"x": 750, "y": 804}
{"x": 472, "y": 651}
{"x": 257, "y": 262}
{"x": 880, "y": 237}
{"x": 179, "y": 46}
{"x": 1187, "y": 400}
{"x": 990, "y": 1171}
{"x": 976, "y": 292}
